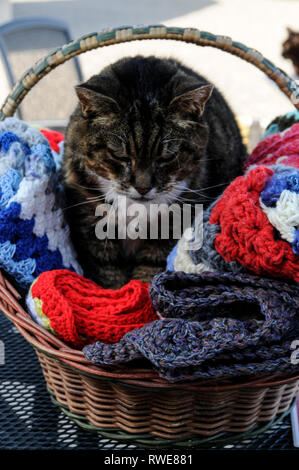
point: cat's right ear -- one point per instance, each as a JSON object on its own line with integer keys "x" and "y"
{"x": 189, "y": 106}
{"x": 96, "y": 104}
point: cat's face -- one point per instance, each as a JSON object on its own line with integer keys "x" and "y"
{"x": 143, "y": 147}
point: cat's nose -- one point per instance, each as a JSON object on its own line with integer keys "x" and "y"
{"x": 142, "y": 191}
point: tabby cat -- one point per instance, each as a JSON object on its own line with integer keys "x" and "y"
{"x": 154, "y": 131}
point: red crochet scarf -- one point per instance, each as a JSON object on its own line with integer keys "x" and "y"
{"x": 81, "y": 312}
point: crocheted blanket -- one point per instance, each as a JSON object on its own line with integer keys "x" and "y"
{"x": 34, "y": 236}
{"x": 254, "y": 225}
{"x": 213, "y": 326}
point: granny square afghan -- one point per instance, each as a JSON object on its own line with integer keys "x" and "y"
{"x": 34, "y": 236}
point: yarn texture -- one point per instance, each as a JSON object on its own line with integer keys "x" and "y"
{"x": 213, "y": 326}
{"x": 254, "y": 225}
{"x": 80, "y": 312}
{"x": 54, "y": 138}
{"x": 247, "y": 235}
{"x": 280, "y": 148}
{"x": 34, "y": 236}
{"x": 206, "y": 258}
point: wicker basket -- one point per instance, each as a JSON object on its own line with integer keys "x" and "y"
{"x": 134, "y": 404}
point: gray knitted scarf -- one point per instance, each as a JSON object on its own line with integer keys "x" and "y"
{"x": 213, "y": 326}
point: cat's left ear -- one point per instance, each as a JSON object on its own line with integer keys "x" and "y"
{"x": 94, "y": 103}
{"x": 190, "y": 105}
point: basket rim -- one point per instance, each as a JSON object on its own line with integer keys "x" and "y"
{"x": 123, "y": 34}
{"x": 141, "y": 378}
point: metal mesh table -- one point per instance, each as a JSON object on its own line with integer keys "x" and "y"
{"x": 29, "y": 420}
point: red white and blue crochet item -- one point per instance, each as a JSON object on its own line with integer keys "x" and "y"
{"x": 34, "y": 236}
{"x": 254, "y": 225}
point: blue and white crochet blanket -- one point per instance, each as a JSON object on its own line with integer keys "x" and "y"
{"x": 34, "y": 236}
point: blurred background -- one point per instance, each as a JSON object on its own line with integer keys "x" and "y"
{"x": 261, "y": 24}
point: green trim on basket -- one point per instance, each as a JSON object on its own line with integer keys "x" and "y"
{"x": 17, "y": 90}
{"x": 129, "y": 33}
{"x": 147, "y": 440}
{"x": 102, "y": 37}
{"x": 41, "y": 65}
{"x": 141, "y": 30}
{"x": 207, "y": 35}
{"x": 241, "y": 46}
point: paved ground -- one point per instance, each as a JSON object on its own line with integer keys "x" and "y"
{"x": 258, "y": 23}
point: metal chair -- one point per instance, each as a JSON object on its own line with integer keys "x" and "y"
{"x": 23, "y": 42}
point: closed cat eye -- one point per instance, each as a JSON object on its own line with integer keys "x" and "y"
{"x": 121, "y": 159}
{"x": 166, "y": 159}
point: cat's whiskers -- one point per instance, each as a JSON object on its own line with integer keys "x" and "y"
{"x": 170, "y": 195}
{"x": 199, "y": 191}
{"x": 207, "y": 187}
{"x": 96, "y": 199}
{"x": 111, "y": 195}
{"x": 187, "y": 200}
{"x": 91, "y": 188}
{"x": 214, "y": 186}
{"x": 201, "y": 195}
{"x": 165, "y": 137}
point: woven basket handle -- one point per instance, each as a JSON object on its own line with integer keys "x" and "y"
{"x": 125, "y": 34}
